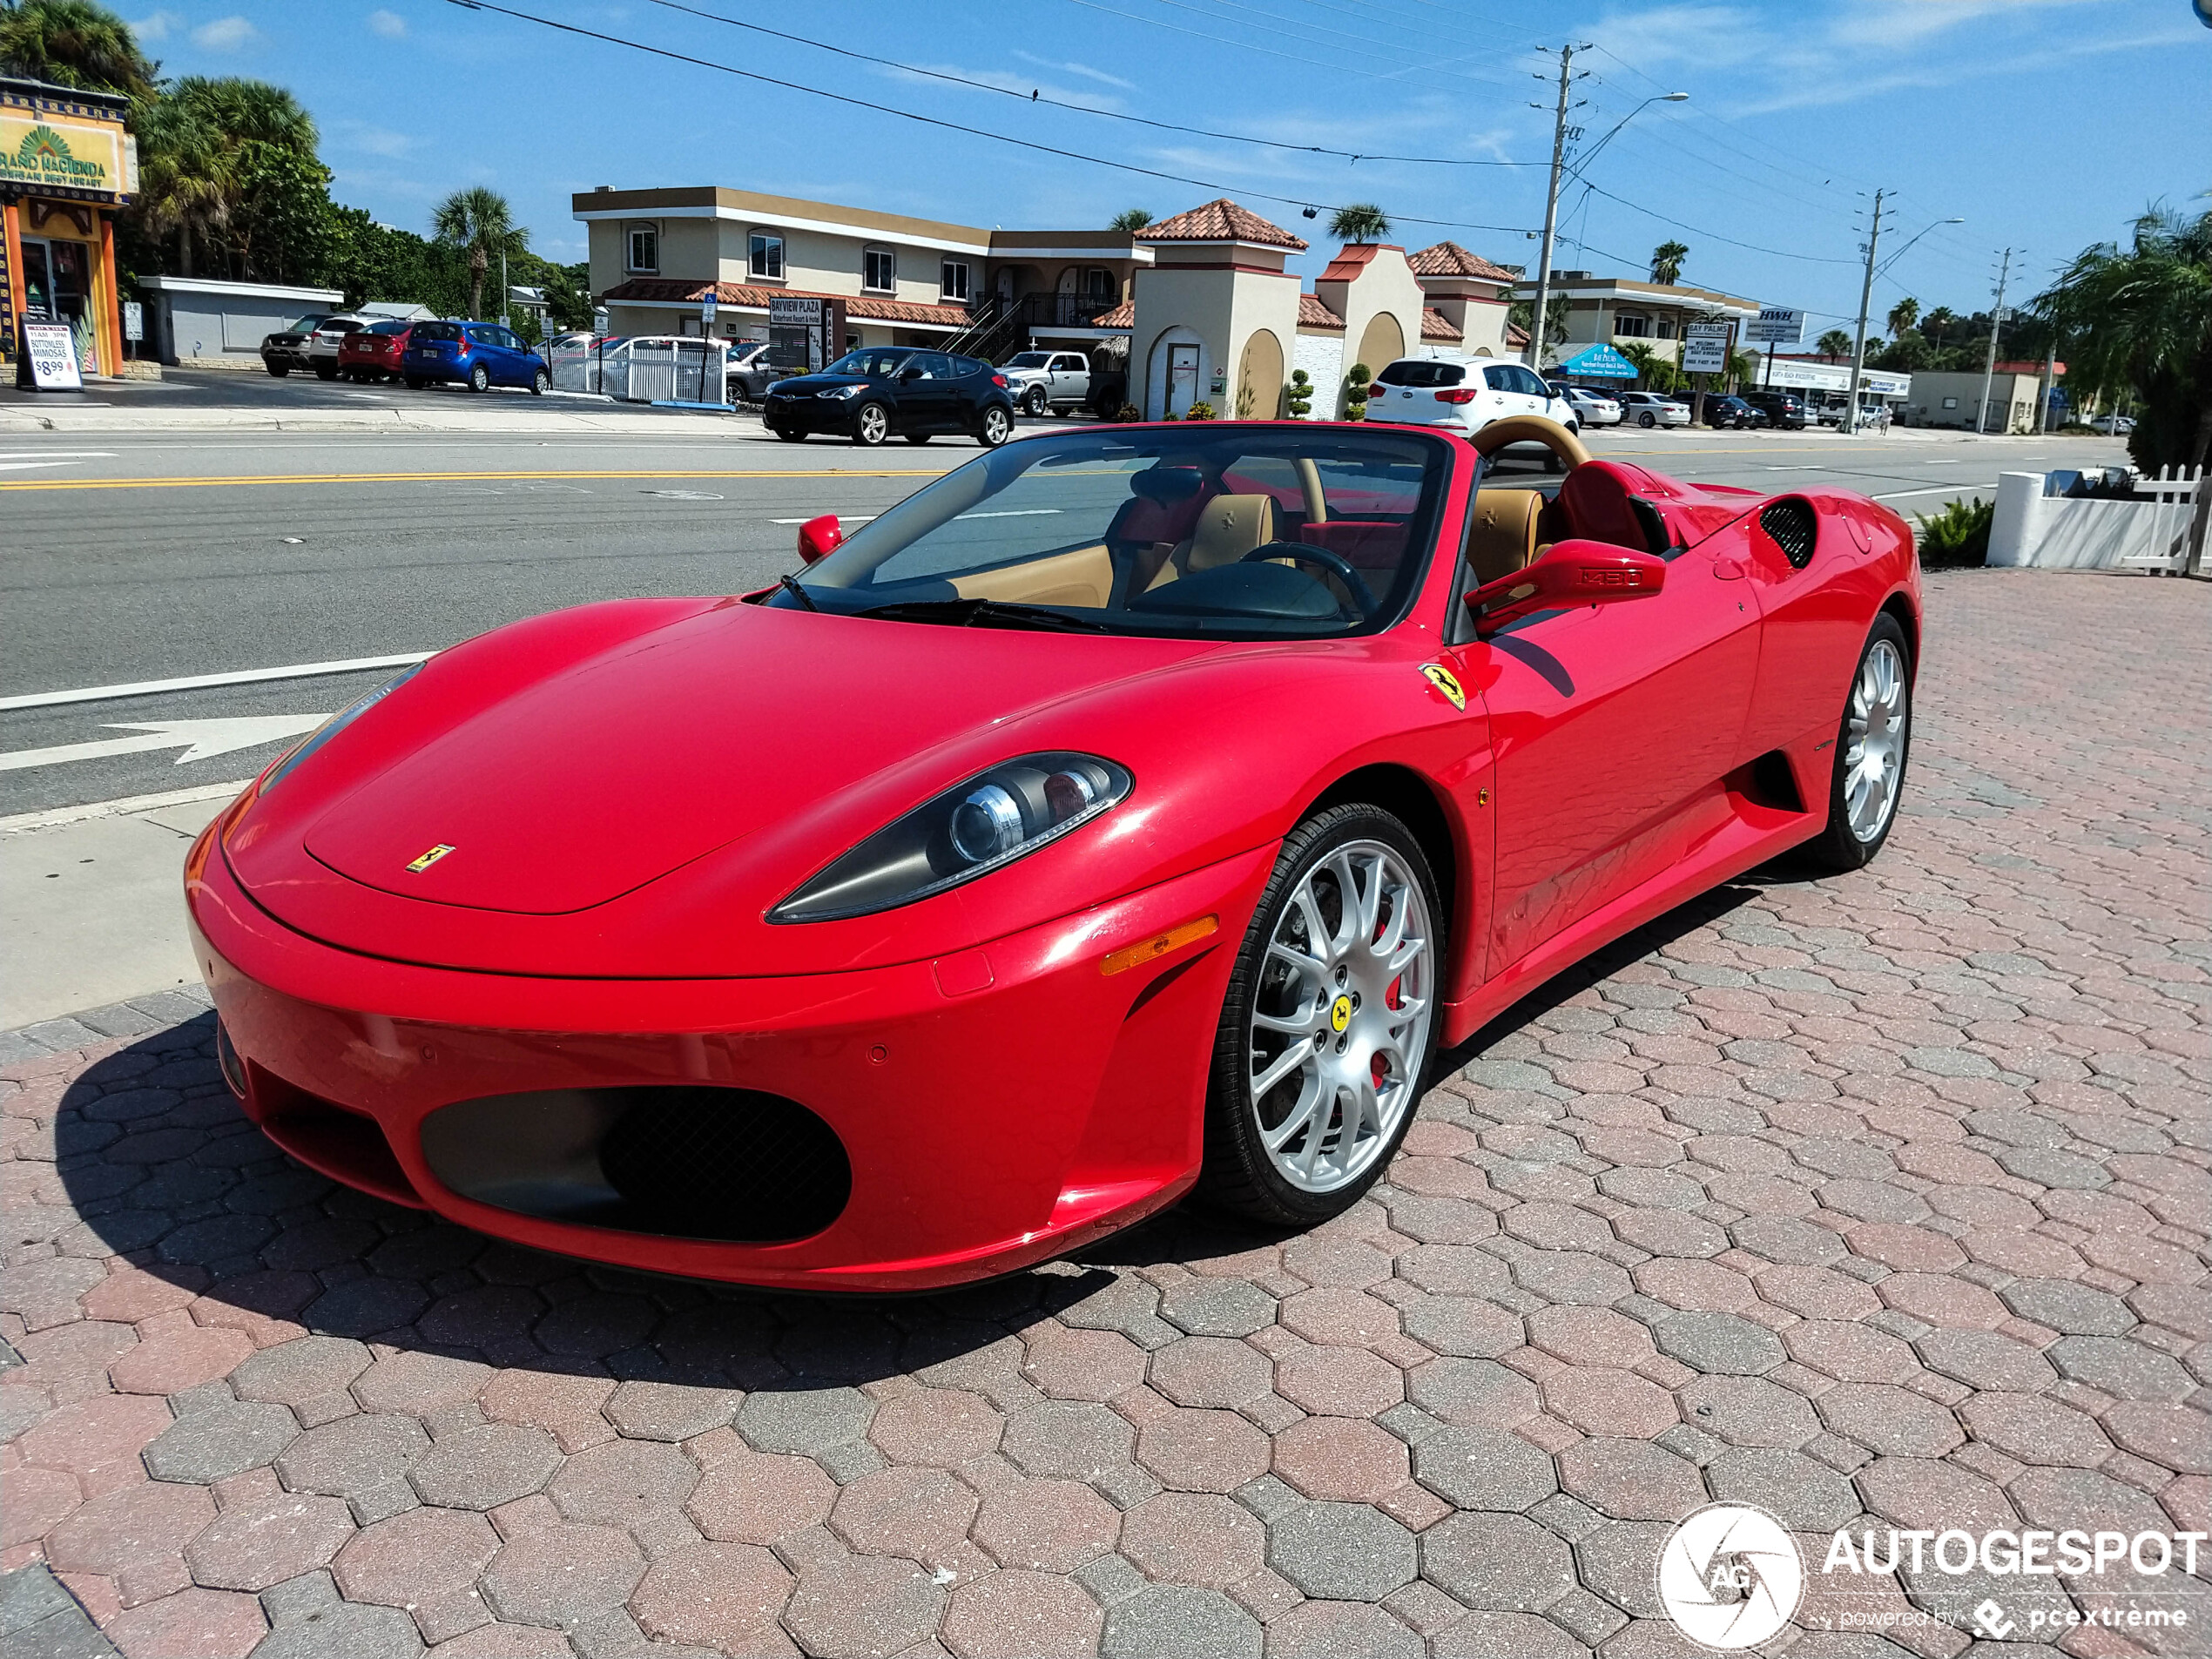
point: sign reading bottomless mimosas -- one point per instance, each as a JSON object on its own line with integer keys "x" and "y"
{"x": 50, "y": 348}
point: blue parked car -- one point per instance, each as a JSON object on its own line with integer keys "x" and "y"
{"x": 484, "y": 355}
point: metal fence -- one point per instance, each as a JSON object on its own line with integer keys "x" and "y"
{"x": 642, "y": 371}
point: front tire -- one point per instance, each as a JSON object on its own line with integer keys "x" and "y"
{"x": 789, "y": 435}
{"x": 1035, "y": 404}
{"x": 996, "y": 427}
{"x": 1871, "y": 749}
{"x": 480, "y": 379}
{"x": 870, "y": 425}
{"x": 1329, "y": 1023}
{"x": 541, "y": 383}
{"x": 325, "y": 372}
{"x": 279, "y": 370}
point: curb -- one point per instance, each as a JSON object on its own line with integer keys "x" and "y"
{"x": 155, "y": 1012}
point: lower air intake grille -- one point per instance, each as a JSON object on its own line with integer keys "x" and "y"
{"x": 683, "y": 1161}
{"x": 727, "y": 1163}
{"x": 1793, "y": 527}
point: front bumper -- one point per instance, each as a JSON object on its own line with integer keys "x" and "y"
{"x": 997, "y": 1107}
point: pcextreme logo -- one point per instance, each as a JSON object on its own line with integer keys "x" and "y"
{"x": 1731, "y": 1576}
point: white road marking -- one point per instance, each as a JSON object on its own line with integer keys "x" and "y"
{"x": 57, "y": 455}
{"x": 1021, "y": 512}
{"x": 199, "y": 740}
{"x": 58, "y": 815}
{"x": 1942, "y": 463}
{"x": 198, "y": 682}
{"x": 1933, "y": 490}
{"x": 856, "y": 518}
{"x": 25, "y": 466}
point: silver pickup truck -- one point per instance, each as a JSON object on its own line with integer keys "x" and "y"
{"x": 1048, "y": 381}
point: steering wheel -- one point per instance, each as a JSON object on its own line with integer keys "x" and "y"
{"x": 1531, "y": 429}
{"x": 1335, "y": 564}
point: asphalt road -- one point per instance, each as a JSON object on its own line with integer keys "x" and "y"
{"x": 134, "y": 557}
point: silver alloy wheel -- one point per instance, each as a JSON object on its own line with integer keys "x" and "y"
{"x": 1874, "y": 741}
{"x": 872, "y": 425}
{"x": 996, "y": 424}
{"x": 1340, "y": 1017}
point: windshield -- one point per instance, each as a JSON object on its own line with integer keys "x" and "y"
{"x": 1211, "y": 531}
{"x": 876, "y": 364}
{"x": 1028, "y": 359}
{"x": 306, "y": 324}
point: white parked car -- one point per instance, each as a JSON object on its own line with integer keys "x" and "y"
{"x": 1465, "y": 394}
{"x": 1044, "y": 381}
{"x": 1591, "y": 408}
{"x": 2114, "y": 425}
{"x": 1653, "y": 409}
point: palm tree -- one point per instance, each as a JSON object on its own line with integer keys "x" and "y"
{"x": 1938, "y": 323}
{"x": 72, "y": 43}
{"x": 1359, "y": 222}
{"x": 478, "y": 222}
{"x": 1833, "y": 344}
{"x": 1130, "y": 218}
{"x": 1666, "y": 263}
{"x": 1555, "y": 308}
{"x": 2141, "y": 319}
{"x": 1902, "y": 316}
{"x": 182, "y": 185}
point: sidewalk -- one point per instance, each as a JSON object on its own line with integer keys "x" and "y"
{"x": 92, "y": 908}
{"x": 504, "y": 416}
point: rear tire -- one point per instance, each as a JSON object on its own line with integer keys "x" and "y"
{"x": 996, "y": 426}
{"x": 1292, "y": 1015}
{"x": 323, "y": 373}
{"x": 1873, "y": 740}
{"x": 919, "y": 437}
{"x": 479, "y": 378}
{"x": 1647, "y": 419}
{"x": 415, "y": 383}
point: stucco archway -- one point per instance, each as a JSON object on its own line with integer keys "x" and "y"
{"x": 1259, "y": 377}
{"x": 1162, "y": 398}
{"x": 1380, "y": 343}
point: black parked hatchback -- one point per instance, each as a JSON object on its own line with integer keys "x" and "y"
{"x": 1784, "y": 409}
{"x": 869, "y": 394}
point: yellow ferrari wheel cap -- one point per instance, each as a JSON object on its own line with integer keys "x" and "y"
{"x": 1340, "y": 1014}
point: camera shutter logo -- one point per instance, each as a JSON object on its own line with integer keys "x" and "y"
{"x": 1731, "y": 1576}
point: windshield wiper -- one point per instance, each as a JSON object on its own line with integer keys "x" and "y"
{"x": 967, "y": 612}
{"x": 789, "y": 585}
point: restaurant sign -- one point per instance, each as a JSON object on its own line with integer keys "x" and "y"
{"x": 66, "y": 156}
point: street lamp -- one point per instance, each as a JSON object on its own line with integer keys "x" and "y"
{"x": 1551, "y": 195}
{"x": 1583, "y": 166}
{"x": 1867, "y": 298}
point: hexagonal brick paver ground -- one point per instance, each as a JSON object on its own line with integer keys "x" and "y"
{"x": 1872, "y": 1200}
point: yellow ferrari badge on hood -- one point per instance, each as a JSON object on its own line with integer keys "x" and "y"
{"x": 1446, "y": 682}
{"x": 416, "y": 867}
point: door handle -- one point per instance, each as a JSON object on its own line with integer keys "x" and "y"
{"x": 1728, "y": 568}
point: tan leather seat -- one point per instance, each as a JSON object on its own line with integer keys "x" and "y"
{"x": 1501, "y": 536}
{"x": 1228, "y": 528}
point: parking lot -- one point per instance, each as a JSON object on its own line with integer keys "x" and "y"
{"x": 1876, "y": 1201}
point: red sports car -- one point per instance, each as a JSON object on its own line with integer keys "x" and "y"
{"x": 1131, "y": 808}
{"x": 373, "y": 354}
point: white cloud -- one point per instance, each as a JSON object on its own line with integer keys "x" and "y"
{"x": 225, "y": 35}
{"x": 389, "y": 24}
{"x": 157, "y": 28}
{"x": 1003, "y": 81}
{"x": 374, "y": 140}
{"x": 1083, "y": 69}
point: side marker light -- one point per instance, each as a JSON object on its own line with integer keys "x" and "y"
{"x": 1159, "y": 945}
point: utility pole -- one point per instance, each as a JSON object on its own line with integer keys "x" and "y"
{"x": 1865, "y": 299}
{"x": 1989, "y": 367}
{"x": 2050, "y": 382}
{"x": 1551, "y": 207}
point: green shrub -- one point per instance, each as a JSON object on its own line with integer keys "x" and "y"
{"x": 1959, "y": 534}
{"x": 1355, "y": 392}
{"x": 1201, "y": 410}
{"x": 1129, "y": 412}
{"x": 1299, "y": 393}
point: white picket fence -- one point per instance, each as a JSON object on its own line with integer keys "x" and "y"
{"x": 2163, "y": 528}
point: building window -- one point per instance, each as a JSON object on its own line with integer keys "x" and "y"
{"x": 1666, "y": 328}
{"x": 1099, "y": 284}
{"x": 953, "y": 281}
{"x": 765, "y": 257}
{"x": 878, "y": 270}
{"x": 644, "y": 247}
{"x": 1634, "y": 327}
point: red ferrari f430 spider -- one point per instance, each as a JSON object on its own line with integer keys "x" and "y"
{"x": 1131, "y": 809}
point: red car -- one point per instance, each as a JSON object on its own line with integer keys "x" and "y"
{"x": 373, "y": 354}
{"x": 1133, "y": 808}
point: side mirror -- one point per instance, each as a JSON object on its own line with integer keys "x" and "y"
{"x": 906, "y": 374}
{"x": 820, "y": 538}
{"x": 1569, "y": 574}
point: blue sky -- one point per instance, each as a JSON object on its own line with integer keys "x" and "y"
{"x": 2046, "y": 124}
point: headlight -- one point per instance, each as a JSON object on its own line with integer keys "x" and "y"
{"x": 841, "y": 391}
{"x": 991, "y": 820}
{"x": 334, "y": 725}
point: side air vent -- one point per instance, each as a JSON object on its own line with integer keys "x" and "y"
{"x": 1792, "y": 525}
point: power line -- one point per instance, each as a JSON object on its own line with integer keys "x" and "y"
{"x": 1302, "y": 203}
{"x": 1082, "y": 109}
{"x": 1673, "y": 224}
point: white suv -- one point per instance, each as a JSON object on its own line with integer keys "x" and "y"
{"x": 1464, "y": 393}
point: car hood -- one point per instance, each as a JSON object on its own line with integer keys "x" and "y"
{"x": 628, "y": 789}
{"x": 288, "y": 338}
{"x": 818, "y": 382}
